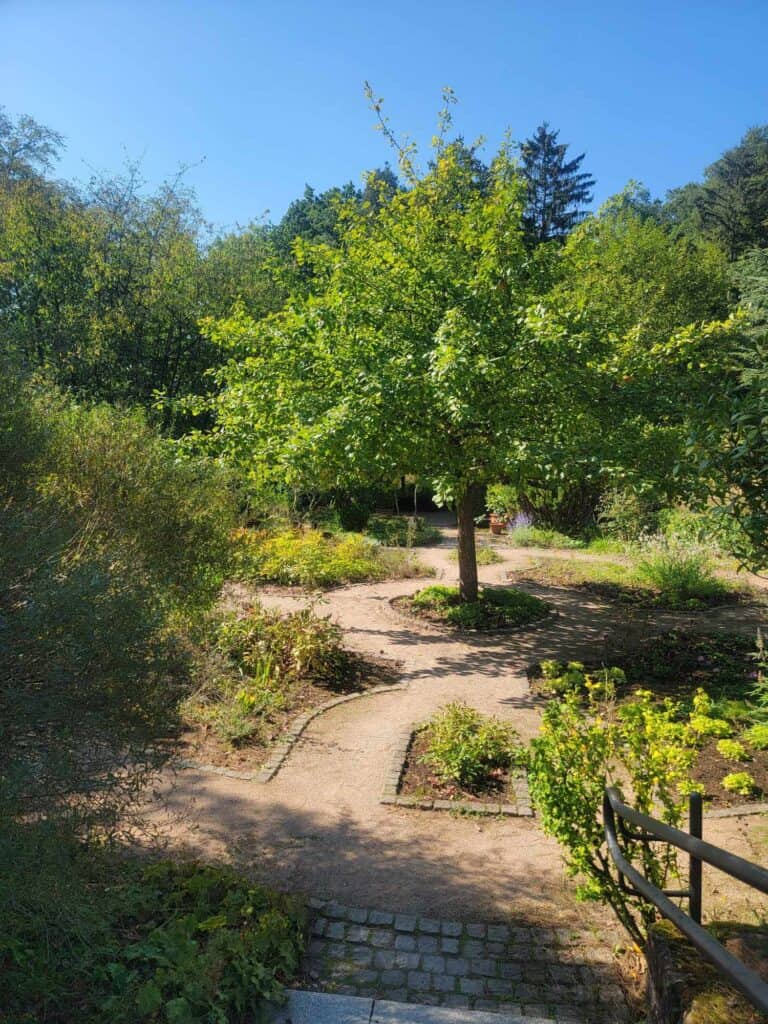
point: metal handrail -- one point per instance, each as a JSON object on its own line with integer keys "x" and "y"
{"x": 741, "y": 977}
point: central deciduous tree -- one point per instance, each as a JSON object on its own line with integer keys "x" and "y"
{"x": 428, "y": 348}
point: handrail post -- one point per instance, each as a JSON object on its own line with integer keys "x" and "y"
{"x": 695, "y": 818}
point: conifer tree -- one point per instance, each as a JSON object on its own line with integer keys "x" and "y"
{"x": 557, "y": 188}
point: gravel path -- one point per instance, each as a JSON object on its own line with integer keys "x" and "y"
{"x": 318, "y": 826}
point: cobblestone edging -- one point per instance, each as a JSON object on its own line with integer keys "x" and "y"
{"x": 468, "y": 634}
{"x": 287, "y": 742}
{"x": 389, "y": 794}
{"x": 542, "y": 972}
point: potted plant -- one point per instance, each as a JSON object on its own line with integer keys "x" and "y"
{"x": 500, "y": 502}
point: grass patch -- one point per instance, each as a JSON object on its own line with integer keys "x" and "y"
{"x": 402, "y": 531}
{"x": 536, "y": 537}
{"x": 654, "y": 581}
{"x": 310, "y": 558}
{"x": 494, "y": 609}
{"x": 486, "y": 555}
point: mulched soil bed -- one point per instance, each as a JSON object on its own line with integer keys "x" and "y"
{"x": 420, "y": 780}
{"x": 675, "y": 665}
{"x": 544, "y": 574}
{"x": 200, "y": 743}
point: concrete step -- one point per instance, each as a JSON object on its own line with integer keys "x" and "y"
{"x": 326, "y": 1008}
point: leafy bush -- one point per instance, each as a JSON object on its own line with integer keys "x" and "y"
{"x": 625, "y": 515}
{"x": 265, "y": 655}
{"x": 732, "y": 750}
{"x": 311, "y": 559}
{"x": 701, "y": 721}
{"x": 494, "y": 608}
{"x": 681, "y": 572}
{"x": 535, "y": 537}
{"x": 466, "y": 746}
{"x": 757, "y": 736}
{"x": 165, "y": 942}
{"x": 739, "y": 782}
{"x": 560, "y": 678}
{"x": 402, "y": 531}
{"x": 577, "y": 754}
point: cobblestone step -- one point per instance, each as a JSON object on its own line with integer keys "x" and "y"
{"x": 523, "y": 972}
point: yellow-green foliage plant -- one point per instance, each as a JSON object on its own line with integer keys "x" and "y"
{"x": 647, "y": 749}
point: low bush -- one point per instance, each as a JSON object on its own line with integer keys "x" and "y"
{"x": 732, "y": 750}
{"x": 682, "y": 572}
{"x": 739, "y": 782}
{"x": 495, "y": 607}
{"x": 757, "y": 736}
{"x": 402, "y": 531}
{"x": 626, "y": 516}
{"x": 572, "y": 677}
{"x": 536, "y": 537}
{"x": 466, "y": 747}
{"x": 309, "y": 558}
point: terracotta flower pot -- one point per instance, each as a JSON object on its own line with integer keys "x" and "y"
{"x": 498, "y": 524}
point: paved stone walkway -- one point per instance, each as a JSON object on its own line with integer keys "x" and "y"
{"x": 552, "y": 973}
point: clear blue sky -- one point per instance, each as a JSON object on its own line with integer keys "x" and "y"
{"x": 270, "y": 93}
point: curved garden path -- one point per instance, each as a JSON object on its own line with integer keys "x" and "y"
{"x": 318, "y": 826}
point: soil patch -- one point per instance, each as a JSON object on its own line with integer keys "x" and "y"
{"x": 420, "y": 780}
{"x": 360, "y": 674}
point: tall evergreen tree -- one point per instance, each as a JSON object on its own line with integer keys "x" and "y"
{"x": 557, "y": 188}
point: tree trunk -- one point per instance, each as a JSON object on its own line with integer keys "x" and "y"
{"x": 465, "y": 511}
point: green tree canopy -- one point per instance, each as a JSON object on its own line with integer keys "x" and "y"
{"x": 557, "y": 189}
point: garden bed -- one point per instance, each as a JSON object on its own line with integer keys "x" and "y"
{"x": 200, "y": 742}
{"x": 675, "y": 666}
{"x": 496, "y": 608}
{"x": 504, "y": 787}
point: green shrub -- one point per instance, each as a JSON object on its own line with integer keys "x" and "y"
{"x": 681, "y": 572}
{"x": 311, "y": 559}
{"x": 732, "y": 750}
{"x": 551, "y": 669}
{"x": 739, "y": 782}
{"x": 572, "y": 677}
{"x": 576, "y": 755}
{"x": 466, "y": 746}
{"x": 757, "y": 736}
{"x": 535, "y": 537}
{"x": 402, "y": 531}
{"x": 495, "y": 607}
{"x": 625, "y": 515}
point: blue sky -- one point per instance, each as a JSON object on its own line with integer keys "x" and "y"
{"x": 269, "y": 95}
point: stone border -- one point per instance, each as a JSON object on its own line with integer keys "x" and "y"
{"x": 287, "y": 741}
{"x": 467, "y": 634}
{"x": 389, "y": 794}
{"x": 737, "y": 811}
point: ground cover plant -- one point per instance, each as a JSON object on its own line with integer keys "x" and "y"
{"x": 486, "y": 555}
{"x": 537, "y": 537}
{"x": 662, "y": 573}
{"x": 461, "y": 754}
{"x": 402, "y": 531}
{"x": 311, "y": 558}
{"x": 261, "y": 668}
{"x": 495, "y": 607}
{"x": 138, "y": 942}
